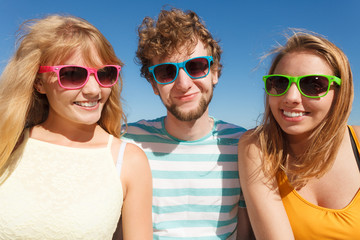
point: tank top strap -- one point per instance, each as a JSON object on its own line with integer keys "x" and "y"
{"x": 120, "y": 158}
{"x": 111, "y": 138}
{"x": 355, "y": 145}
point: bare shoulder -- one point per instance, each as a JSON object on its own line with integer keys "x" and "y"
{"x": 135, "y": 160}
{"x": 132, "y": 154}
{"x": 248, "y": 146}
{"x": 248, "y": 137}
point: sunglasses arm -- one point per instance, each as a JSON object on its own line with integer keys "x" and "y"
{"x": 44, "y": 69}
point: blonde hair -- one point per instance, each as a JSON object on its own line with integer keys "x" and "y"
{"x": 172, "y": 31}
{"x": 49, "y": 41}
{"x": 325, "y": 139}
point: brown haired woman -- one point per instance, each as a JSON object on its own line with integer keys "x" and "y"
{"x": 299, "y": 169}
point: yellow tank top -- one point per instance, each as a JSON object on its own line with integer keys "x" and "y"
{"x": 309, "y": 221}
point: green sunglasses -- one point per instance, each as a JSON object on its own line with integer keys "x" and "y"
{"x": 311, "y": 86}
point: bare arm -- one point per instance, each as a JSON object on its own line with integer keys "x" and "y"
{"x": 266, "y": 211}
{"x": 137, "y": 181}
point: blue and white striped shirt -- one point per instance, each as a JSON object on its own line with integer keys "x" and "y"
{"x": 196, "y": 190}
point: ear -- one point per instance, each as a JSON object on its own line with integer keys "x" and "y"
{"x": 154, "y": 87}
{"x": 39, "y": 86}
{"x": 215, "y": 78}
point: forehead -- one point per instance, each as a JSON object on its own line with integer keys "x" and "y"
{"x": 88, "y": 56}
{"x": 303, "y": 63}
{"x": 183, "y": 53}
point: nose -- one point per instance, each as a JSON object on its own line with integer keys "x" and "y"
{"x": 92, "y": 87}
{"x": 183, "y": 81}
{"x": 293, "y": 94}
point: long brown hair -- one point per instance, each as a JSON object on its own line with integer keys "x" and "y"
{"x": 325, "y": 139}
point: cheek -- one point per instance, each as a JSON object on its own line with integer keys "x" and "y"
{"x": 210, "y": 86}
{"x": 325, "y": 105}
{"x": 165, "y": 90}
{"x": 106, "y": 92}
{"x": 273, "y": 103}
{"x": 324, "y": 108}
{"x": 330, "y": 98}
{"x": 274, "y": 107}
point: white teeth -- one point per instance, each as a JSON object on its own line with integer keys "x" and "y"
{"x": 294, "y": 114}
{"x": 86, "y": 104}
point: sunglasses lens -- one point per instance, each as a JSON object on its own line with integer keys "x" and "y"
{"x": 198, "y": 67}
{"x": 108, "y": 75}
{"x": 165, "y": 73}
{"x": 276, "y": 85}
{"x": 314, "y": 85}
{"x": 72, "y": 77}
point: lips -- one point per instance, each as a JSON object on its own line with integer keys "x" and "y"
{"x": 186, "y": 97}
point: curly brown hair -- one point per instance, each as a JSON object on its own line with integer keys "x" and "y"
{"x": 174, "y": 30}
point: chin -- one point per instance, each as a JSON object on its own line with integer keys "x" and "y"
{"x": 188, "y": 114}
{"x": 297, "y": 131}
{"x": 89, "y": 121}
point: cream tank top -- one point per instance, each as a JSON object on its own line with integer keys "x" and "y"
{"x": 59, "y": 192}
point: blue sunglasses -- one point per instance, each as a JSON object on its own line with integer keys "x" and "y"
{"x": 198, "y": 67}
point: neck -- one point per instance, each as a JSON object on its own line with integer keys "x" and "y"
{"x": 189, "y": 130}
{"x": 67, "y": 134}
{"x": 298, "y": 144}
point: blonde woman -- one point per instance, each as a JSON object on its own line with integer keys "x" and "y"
{"x": 299, "y": 169}
{"x": 64, "y": 171}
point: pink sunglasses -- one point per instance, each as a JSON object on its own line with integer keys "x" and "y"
{"x": 75, "y": 77}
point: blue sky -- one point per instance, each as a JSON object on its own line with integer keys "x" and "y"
{"x": 247, "y": 29}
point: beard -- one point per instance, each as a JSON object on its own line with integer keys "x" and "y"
{"x": 191, "y": 115}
